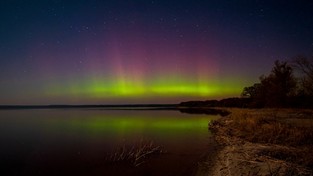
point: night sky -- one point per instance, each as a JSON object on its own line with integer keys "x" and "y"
{"x": 144, "y": 51}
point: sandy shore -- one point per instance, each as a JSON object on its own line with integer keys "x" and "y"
{"x": 237, "y": 156}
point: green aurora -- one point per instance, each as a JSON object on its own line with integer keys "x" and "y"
{"x": 128, "y": 88}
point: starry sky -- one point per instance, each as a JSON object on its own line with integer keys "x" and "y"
{"x": 144, "y": 51}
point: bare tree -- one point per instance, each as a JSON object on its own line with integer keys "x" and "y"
{"x": 251, "y": 91}
{"x": 274, "y": 89}
{"x": 279, "y": 85}
{"x": 304, "y": 66}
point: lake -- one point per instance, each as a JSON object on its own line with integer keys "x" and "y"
{"x": 86, "y": 141}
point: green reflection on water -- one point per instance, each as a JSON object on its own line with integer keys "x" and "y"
{"x": 98, "y": 132}
{"x": 152, "y": 122}
{"x": 133, "y": 123}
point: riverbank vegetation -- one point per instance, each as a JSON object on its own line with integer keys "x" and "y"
{"x": 269, "y": 130}
{"x": 134, "y": 155}
{"x": 265, "y": 141}
{"x": 288, "y": 85}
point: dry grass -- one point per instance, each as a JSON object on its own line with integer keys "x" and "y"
{"x": 288, "y": 135}
{"x": 269, "y": 128}
{"x": 135, "y": 154}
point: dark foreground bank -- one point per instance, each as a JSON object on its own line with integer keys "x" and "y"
{"x": 264, "y": 142}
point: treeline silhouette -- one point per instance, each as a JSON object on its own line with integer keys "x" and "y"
{"x": 289, "y": 84}
{"x": 228, "y": 102}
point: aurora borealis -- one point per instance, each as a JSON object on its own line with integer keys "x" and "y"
{"x": 119, "y": 52}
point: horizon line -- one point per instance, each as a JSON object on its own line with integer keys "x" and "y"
{"x": 56, "y": 106}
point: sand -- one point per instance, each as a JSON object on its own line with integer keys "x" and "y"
{"x": 239, "y": 157}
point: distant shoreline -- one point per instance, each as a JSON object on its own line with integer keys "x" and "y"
{"x": 145, "y": 106}
{"x": 132, "y": 107}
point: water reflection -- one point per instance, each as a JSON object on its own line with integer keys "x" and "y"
{"x": 78, "y": 140}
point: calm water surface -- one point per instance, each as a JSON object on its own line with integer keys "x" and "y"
{"x": 79, "y": 141}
